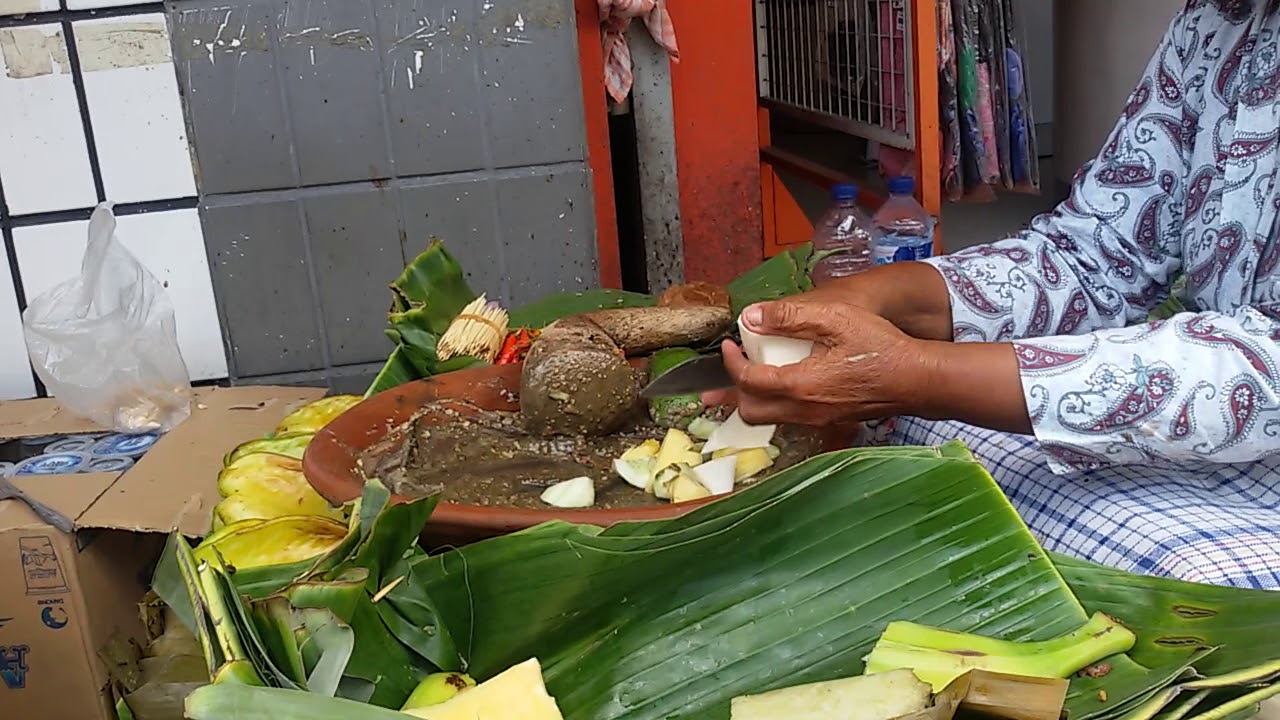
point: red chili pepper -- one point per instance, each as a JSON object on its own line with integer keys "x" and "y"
{"x": 515, "y": 346}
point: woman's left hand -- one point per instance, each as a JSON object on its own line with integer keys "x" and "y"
{"x": 862, "y": 367}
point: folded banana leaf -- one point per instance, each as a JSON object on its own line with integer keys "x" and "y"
{"x": 314, "y": 623}
{"x": 792, "y": 581}
{"x": 434, "y": 282}
{"x": 1172, "y": 304}
{"x": 425, "y": 299}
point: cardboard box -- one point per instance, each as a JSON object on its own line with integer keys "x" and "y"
{"x": 62, "y": 595}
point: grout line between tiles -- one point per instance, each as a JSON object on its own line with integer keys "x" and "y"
{"x": 83, "y": 213}
{"x": 82, "y": 99}
{"x": 62, "y": 14}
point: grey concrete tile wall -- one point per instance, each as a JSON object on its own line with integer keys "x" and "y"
{"x": 236, "y": 112}
{"x": 356, "y": 252}
{"x": 545, "y": 218}
{"x": 350, "y": 90}
{"x": 257, "y": 257}
{"x": 335, "y": 138}
{"x": 465, "y": 215}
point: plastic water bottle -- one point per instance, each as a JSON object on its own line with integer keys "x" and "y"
{"x": 845, "y": 232}
{"x": 904, "y": 229}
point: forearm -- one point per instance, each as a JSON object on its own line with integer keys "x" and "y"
{"x": 975, "y": 383}
{"x": 912, "y": 296}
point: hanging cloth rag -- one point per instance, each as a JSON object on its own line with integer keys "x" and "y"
{"x": 615, "y": 17}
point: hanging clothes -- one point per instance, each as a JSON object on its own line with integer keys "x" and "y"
{"x": 615, "y": 18}
{"x": 989, "y": 137}
{"x": 948, "y": 105}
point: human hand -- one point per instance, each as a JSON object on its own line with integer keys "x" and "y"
{"x": 862, "y": 366}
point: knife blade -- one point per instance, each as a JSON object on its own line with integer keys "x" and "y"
{"x": 697, "y": 375}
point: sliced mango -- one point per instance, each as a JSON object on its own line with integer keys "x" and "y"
{"x": 274, "y": 485}
{"x": 281, "y": 541}
{"x": 752, "y": 463}
{"x": 312, "y": 417}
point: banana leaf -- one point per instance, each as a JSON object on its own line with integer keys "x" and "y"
{"x": 541, "y": 313}
{"x": 785, "y": 274}
{"x": 397, "y": 371}
{"x": 228, "y": 702}
{"x": 425, "y": 299}
{"x": 412, "y": 333}
{"x": 1174, "y": 303}
{"x": 346, "y": 646}
{"x": 435, "y": 283}
{"x": 790, "y": 581}
{"x": 1170, "y": 616}
{"x": 326, "y": 646}
{"x": 378, "y": 660}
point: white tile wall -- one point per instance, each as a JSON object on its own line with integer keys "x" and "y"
{"x": 91, "y": 4}
{"x": 43, "y": 161}
{"x": 22, "y": 7}
{"x": 171, "y": 246}
{"x": 133, "y": 99}
{"x": 15, "y": 370}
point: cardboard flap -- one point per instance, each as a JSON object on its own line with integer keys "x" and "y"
{"x": 32, "y": 418}
{"x": 175, "y": 485}
{"x": 70, "y": 495}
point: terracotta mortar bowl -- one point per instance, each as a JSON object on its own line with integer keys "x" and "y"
{"x": 331, "y": 460}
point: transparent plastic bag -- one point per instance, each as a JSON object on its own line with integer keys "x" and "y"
{"x": 105, "y": 343}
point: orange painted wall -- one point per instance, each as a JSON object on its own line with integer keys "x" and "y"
{"x": 714, "y": 97}
{"x": 591, "y": 59}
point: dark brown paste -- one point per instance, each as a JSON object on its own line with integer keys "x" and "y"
{"x": 479, "y": 457}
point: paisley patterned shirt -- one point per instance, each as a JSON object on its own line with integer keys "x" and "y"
{"x": 1185, "y": 185}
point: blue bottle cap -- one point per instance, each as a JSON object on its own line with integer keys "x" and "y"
{"x": 902, "y": 185}
{"x": 845, "y": 192}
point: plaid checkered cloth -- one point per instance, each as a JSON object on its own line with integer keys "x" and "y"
{"x": 1216, "y": 524}
{"x": 615, "y": 17}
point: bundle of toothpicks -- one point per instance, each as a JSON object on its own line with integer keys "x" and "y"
{"x": 477, "y": 332}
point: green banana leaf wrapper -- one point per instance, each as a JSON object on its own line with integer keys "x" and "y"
{"x": 313, "y": 625}
{"x": 786, "y": 582}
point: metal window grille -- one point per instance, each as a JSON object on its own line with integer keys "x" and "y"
{"x": 842, "y": 64}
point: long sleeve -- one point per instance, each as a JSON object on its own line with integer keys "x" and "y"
{"x": 1181, "y": 186}
{"x": 1198, "y": 388}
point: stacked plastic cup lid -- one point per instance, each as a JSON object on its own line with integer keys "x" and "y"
{"x": 108, "y": 464}
{"x": 74, "y": 443}
{"x": 133, "y": 446}
{"x": 54, "y": 464}
{"x": 40, "y": 440}
{"x": 63, "y": 455}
